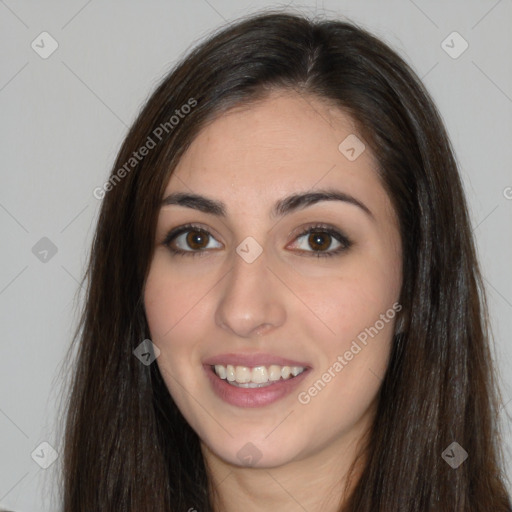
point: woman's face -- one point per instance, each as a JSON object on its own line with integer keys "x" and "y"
{"x": 268, "y": 286}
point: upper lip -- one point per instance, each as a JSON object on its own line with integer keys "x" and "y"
{"x": 260, "y": 359}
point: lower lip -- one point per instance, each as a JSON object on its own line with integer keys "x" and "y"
{"x": 252, "y": 397}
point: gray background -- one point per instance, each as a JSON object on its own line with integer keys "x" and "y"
{"x": 63, "y": 119}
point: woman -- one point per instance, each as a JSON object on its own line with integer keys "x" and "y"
{"x": 284, "y": 307}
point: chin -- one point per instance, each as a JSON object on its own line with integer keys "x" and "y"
{"x": 260, "y": 453}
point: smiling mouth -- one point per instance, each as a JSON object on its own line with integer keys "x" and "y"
{"x": 257, "y": 376}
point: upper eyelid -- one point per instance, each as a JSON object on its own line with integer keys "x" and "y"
{"x": 179, "y": 230}
{"x": 172, "y": 234}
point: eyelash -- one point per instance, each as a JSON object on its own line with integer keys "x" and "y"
{"x": 345, "y": 242}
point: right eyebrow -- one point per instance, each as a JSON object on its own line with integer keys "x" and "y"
{"x": 197, "y": 202}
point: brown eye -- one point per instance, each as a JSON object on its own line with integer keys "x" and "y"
{"x": 196, "y": 239}
{"x": 189, "y": 240}
{"x": 319, "y": 241}
{"x": 322, "y": 240}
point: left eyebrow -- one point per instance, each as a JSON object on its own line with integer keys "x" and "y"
{"x": 282, "y": 207}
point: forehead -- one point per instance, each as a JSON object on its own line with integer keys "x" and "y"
{"x": 285, "y": 143}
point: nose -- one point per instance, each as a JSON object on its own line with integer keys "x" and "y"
{"x": 252, "y": 299}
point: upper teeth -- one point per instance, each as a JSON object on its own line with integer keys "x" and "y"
{"x": 258, "y": 374}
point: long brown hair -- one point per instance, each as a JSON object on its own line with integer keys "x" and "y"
{"x": 127, "y": 446}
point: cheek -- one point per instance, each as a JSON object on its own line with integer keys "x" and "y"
{"x": 171, "y": 299}
{"x": 360, "y": 310}
{"x": 353, "y": 299}
{"x": 170, "y": 308}
{"x": 177, "y": 309}
{"x": 359, "y": 306}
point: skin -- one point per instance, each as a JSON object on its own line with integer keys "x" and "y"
{"x": 287, "y": 302}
